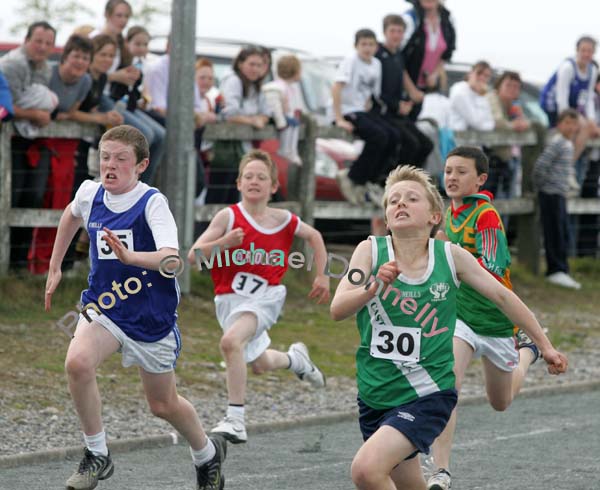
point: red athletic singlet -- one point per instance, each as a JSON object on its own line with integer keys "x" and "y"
{"x": 240, "y": 269}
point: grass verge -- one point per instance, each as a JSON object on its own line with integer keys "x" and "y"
{"x": 32, "y": 348}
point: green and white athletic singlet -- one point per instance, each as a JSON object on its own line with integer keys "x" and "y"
{"x": 406, "y": 331}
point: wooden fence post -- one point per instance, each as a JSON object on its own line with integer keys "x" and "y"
{"x": 5, "y": 197}
{"x": 306, "y": 175}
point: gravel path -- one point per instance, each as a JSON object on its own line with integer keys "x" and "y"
{"x": 269, "y": 399}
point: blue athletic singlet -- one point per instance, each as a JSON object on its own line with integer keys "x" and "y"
{"x": 578, "y": 91}
{"x": 143, "y": 303}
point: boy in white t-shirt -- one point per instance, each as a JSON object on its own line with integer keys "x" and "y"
{"x": 357, "y": 83}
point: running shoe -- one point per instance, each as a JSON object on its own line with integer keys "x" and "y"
{"x": 231, "y": 429}
{"x": 440, "y": 480}
{"x": 209, "y": 476}
{"x": 308, "y": 370}
{"x": 523, "y": 341}
{"x": 91, "y": 469}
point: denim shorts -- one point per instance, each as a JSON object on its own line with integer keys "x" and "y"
{"x": 421, "y": 420}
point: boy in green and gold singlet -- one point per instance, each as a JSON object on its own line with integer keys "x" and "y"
{"x": 482, "y": 329}
{"x": 406, "y": 316}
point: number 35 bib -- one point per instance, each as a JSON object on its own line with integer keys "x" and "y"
{"x": 104, "y": 251}
{"x": 401, "y": 344}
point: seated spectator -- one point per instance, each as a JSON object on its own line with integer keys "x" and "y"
{"x": 71, "y": 83}
{"x": 469, "y": 106}
{"x": 551, "y": 179}
{"x": 505, "y": 161}
{"x": 283, "y": 103}
{"x": 572, "y": 85}
{"x": 244, "y": 103}
{"x": 357, "y": 83}
{"x": 23, "y": 67}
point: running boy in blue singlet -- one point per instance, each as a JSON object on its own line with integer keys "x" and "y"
{"x": 129, "y": 306}
{"x": 406, "y": 319}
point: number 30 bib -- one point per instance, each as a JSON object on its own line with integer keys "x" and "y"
{"x": 401, "y": 344}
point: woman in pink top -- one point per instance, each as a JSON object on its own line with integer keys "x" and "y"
{"x": 430, "y": 40}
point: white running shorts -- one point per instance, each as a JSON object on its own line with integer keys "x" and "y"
{"x": 266, "y": 308}
{"x": 501, "y": 351}
{"x": 153, "y": 357}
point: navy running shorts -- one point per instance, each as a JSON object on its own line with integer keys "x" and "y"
{"x": 421, "y": 421}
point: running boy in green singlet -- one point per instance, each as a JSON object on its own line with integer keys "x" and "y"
{"x": 406, "y": 316}
{"x": 482, "y": 330}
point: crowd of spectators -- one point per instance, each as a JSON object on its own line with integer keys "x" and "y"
{"x": 392, "y": 94}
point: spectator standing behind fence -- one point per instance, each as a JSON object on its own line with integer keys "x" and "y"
{"x": 90, "y": 109}
{"x": 121, "y": 76}
{"x": 572, "y": 85}
{"x": 244, "y": 103}
{"x": 206, "y": 106}
{"x": 469, "y": 107}
{"x": 71, "y": 83}
{"x": 136, "y": 49}
{"x": 357, "y": 84}
{"x": 22, "y": 67}
{"x": 283, "y": 103}
{"x": 117, "y": 14}
{"x": 505, "y": 161}
{"x": 550, "y": 177}
{"x": 396, "y": 84}
{"x": 429, "y": 42}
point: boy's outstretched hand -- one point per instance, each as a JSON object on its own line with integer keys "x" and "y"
{"x": 557, "y": 361}
{"x": 320, "y": 289}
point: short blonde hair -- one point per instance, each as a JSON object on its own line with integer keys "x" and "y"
{"x": 410, "y": 172}
{"x": 261, "y": 156}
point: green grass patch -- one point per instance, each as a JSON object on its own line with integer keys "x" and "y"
{"x": 32, "y": 348}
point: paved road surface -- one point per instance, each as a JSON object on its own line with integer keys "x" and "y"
{"x": 550, "y": 442}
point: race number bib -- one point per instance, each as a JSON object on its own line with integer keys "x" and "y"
{"x": 402, "y": 344}
{"x": 249, "y": 285}
{"x": 104, "y": 251}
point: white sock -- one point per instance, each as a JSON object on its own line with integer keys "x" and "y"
{"x": 204, "y": 455}
{"x": 236, "y": 412}
{"x": 296, "y": 365}
{"x": 96, "y": 443}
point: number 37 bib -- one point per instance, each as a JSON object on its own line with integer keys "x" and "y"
{"x": 401, "y": 344}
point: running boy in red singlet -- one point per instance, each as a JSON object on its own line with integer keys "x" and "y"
{"x": 248, "y": 244}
